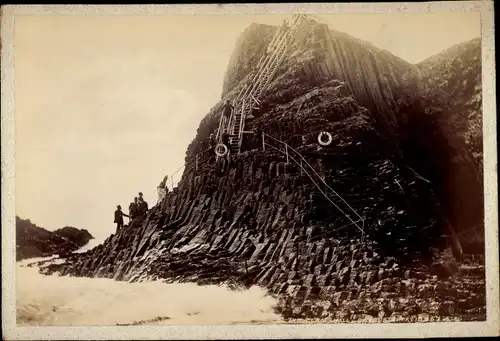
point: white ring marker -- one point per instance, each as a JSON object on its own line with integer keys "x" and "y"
{"x": 223, "y": 146}
{"x": 328, "y": 141}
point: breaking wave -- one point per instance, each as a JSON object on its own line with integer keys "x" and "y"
{"x": 69, "y": 301}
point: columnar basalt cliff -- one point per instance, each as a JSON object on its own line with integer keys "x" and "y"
{"x": 264, "y": 217}
{"x": 380, "y": 81}
{"x": 453, "y": 104}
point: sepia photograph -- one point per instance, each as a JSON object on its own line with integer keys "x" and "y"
{"x": 249, "y": 168}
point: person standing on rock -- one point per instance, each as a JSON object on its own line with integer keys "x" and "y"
{"x": 119, "y": 218}
{"x": 143, "y": 205}
{"x": 133, "y": 208}
{"x": 162, "y": 189}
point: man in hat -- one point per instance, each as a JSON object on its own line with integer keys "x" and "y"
{"x": 143, "y": 205}
{"x": 133, "y": 208}
{"x": 119, "y": 218}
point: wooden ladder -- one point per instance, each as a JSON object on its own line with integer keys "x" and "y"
{"x": 267, "y": 67}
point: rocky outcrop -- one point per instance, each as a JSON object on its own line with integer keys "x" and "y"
{"x": 378, "y": 80}
{"x": 456, "y": 74}
{"x": 249, "y": 48}
{"x": 451, "y": 137}
{"x": 259, "y": 218}
{"x": 34, "y": 241}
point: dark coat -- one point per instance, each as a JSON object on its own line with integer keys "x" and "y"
{"x": 133, "y": 208}
{"x": 225, "y": 139}
{"x": 118, "y": 217}
{"x": 143, "y": 206}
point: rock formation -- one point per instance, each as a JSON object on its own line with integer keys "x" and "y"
{"x": 453, "y": 104}
{"x": 34, "y": 241}
{"x": 258, "y": 218}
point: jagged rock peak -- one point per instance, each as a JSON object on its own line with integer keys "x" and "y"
{"x": 380, "y": 81}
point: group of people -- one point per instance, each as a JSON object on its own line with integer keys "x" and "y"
{"x": 137, "y": 208}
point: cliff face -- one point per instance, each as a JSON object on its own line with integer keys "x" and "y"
{"x": 33, "y": 241}
{"x": 259, "y": 218}
{"x": 248, "y": 50}
{"x": 378, "y": 80}
{"x": 452, "y": 103}
{"x": 456, "y": 74}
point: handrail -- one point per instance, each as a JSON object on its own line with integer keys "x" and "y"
{"x": 326, "y": 185}
{"x": 243, "y": 117}
{"x": 280, "y": 38}
{"x": 271, "y": 59}
{"x": 263, "y": 87}
{"x": 265, "y": 72}
{"x": 218, "y": 134}
{"x": 189, "y": 161}
{"x": 236, "y": 112}
{"x": 262, "y": 64}
{"x": 319, "y": 188}
{"x": 241, "y": 96}
{"x": 353, "y": 222}
{"x": 307, "y": 163}
{"x": 277, "y": 57}
{"x": 266, "y": 69}
{"x": 275, "y": 38}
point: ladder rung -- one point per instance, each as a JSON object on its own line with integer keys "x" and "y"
{"x": 266, "y": 69}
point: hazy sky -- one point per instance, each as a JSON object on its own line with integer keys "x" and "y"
{"x": 106, "y": 105}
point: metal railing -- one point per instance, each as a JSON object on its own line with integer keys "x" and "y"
{"x": 301, "y": 162}
{"x": 267, "y": 67}
{"x": 195, "y": 162}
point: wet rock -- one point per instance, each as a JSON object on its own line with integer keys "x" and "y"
{"x": 444, "y": 269}
{"x": 373, "y": 310}
{"x": 371, "y": 277}
{"x": 446, "y": 308}
{"x": 446, "y": 291}
{"x": 425, "y": 291}
{"x": 381, "y": 274}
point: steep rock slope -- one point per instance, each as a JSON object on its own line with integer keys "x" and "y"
{"x": 249, "y": 48}
{"x": 379, "y": 81}
{"x": 453, "y": 105}
{"x": 34, "y": 241}
{"x": 456, "y": 73}
{"x": 432, "y": 111}
{"x": 258, "y": 219}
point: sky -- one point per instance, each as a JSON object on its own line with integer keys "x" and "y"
{"x": 105, "y": 105}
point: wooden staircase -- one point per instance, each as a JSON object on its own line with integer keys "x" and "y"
{"x": 249, "y": 95}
